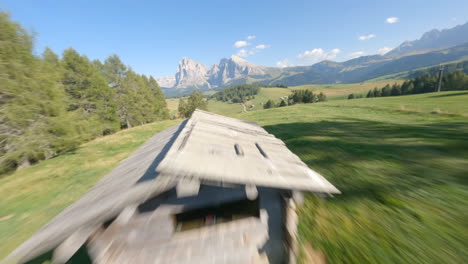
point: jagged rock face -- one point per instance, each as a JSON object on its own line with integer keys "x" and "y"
{"x": 231, "y": 69}
{"x": 191, "y": 74}
{"x": 194, "y": 74}
{"x": 166, "y": 81}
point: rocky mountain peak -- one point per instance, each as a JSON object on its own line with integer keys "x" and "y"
{"x": 433, "y": 40}
{"x": 191, "y": 74}
{"x": 166, "y": 81}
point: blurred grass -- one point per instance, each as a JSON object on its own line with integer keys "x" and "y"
{"x": 172, "y": 105}
{"x": 402, "y": 171}
{"x": 224, "y": 108}
{"x": 341, "y": 91}
{"x": 32, "y": 196}
{"x": 403, "y": 176}
{"x": 453, "y": 103}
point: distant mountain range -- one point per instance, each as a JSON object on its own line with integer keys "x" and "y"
{"x": 434, "y": 39}
{"x": 434, "y": 47}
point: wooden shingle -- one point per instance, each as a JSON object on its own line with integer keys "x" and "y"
{"x": 222, "y": 149}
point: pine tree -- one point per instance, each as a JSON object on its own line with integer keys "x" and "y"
{"x": 34, "y": 123}
{"x": 322, "y": 97}
{"x": 91, "y": 99}
{"x": 269, "y": 104}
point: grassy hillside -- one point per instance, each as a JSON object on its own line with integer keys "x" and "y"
{"x": 30, "y": 197}
{"x": 172, "y": 104}
{"x": 436, "y": 103}
{"x": 402, "y": 175}
{"x": 401, "y": 170}
{"x": 333, "y": 92}
{"x": 341, "y": 91}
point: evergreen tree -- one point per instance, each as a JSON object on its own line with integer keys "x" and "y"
{"x": 269, "y": 104}
{"x": 195, "y": 101}
{"x": 50, "y": 105}
{"x": 377, "y": 92}
{"x": 34, "y": 123}
{"x": 386, "y": 90}
{"x": 322, "y": 97}
{"x": 396, "y": 90}
{"x": 91, "y": 99}
{"x": 282, "y": 103}
{"x": 182, "y": 108}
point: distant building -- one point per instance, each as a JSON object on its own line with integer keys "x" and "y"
{"x": 210, "y": 190}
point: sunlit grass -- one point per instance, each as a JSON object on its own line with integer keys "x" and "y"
{"x": 402, "y": 171}
{"x": 402, "y": 174}
{"x": 341, "y": 91}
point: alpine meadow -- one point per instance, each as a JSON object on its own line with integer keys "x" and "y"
{"x": 234, "y": 132}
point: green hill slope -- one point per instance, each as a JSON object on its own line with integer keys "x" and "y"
{"x": 402, "y": 175}
{"x": 400, "y": 164}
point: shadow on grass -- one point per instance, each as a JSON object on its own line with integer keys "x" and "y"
{"x": 453, "y": 94}
{"x": 370, "y": 159}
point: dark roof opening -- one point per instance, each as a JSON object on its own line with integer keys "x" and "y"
{"x": 217, "y": 214}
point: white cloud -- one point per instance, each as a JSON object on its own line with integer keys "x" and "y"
{"x": 251, "y": 37}
{"x": 240, "y": 43}
{"x": 383, "y": 50}
{"x": 283, "y": 63}
{"x": 242, "y": 53}
{"x": 392, "y": 20}
{"x": 262, "y": 46}
{"x": 318, "y": 54}
{"x": 366, "y": 37}
{"x": 356, "y": 54}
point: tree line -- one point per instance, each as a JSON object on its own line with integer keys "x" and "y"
{"x": 238, "y": 93}
{"x": 426, "y": 83}
{"x": 51, "y": 104}
{"x": 297, "y": 97}
{"x": 448, "y": 68}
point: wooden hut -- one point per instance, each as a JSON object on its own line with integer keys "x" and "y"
{"x": 212, "y": 189}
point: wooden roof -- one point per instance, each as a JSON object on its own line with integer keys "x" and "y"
{"x": 207, "y": 147}
{"x": 221, "y": 149}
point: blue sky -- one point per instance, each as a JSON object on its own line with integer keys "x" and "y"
{"x": 152, "y": 36}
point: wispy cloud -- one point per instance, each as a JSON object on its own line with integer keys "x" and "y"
{"x": 262, "y": 46}
{"x": 356, "y": 54}
{"x": 366, "y": 37}
{"x": 318, "y": 54}
{"x": 383, "y": 50}
{"x": 242, "y": 53}
{"x": 391, "y": 20}
{"x": 240, "y": 43}
{"x": 245, "y": 51}
{"x": 283, "y": 63}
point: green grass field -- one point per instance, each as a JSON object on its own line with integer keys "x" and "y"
{"x": 264, "y": 95}
{"x": 333, "y": 92}
{"x": 400, "y": 162}
{"x": 403, "y": 176}
{"x": 341, "y": 91}
{"x": 437, "y": 103}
